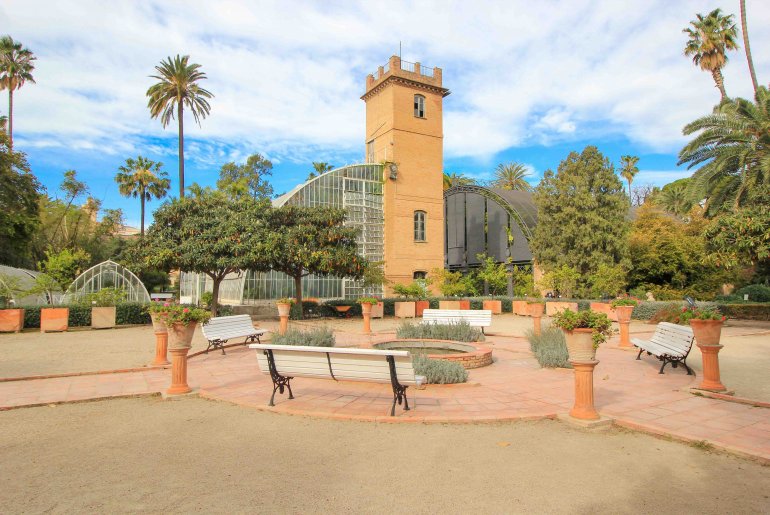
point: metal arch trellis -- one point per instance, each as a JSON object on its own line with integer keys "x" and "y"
{"x": 91, "y": 281}
{"x": 491, "y": 195}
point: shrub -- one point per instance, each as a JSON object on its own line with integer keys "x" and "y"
{"x": 131, "y": 313}
{"x": 460, "y": 332}
{"x": 601, "y": 325}
{"x": 311, "y": 309}
{"x": 80, "y": 315}
{"x": 316, "y": 337}
{"x": 549, "y": 347}
{"x": 746, "y": 311}
{"x": 225, "y": 311}
{"x": 439, "y": 371}
{"x": 355, "y": 307}
{"x": 756, "y": 292}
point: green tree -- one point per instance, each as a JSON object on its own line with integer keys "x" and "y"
{"x": 511, "y": 176}
{"x": 142, "y": 178}
{"x": 210, "y": 234}
{"x": 608, "y": 281}
{"x": 301, "y": 241}
{"x": 628, "y": 170}
{"x": 732, "y": 151}
{"x": 247, "y": 179}
{"x": 581, "y": 212}
{"x": 674, "y": 198}
{"x": 452, "y": 284}
{"x": 19, "y": 212}
{"x": 64, "y": 266}
{"x": 15, "y": 69}
{"x": 563, "y": 279}
{"x": 456, "y": 179}
{"x": 494, "y": 274}
{"x": 709, "y": 39}
{"x": 178, "y": 87}
{"x": 319, "y": 168}
{"x": 749, "y": 59}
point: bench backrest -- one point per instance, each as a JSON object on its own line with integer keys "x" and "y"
{"x": 230, "y": 326}
{"x": 673, "y": 336}
{"x": 351, "y": 364}
{"x": 475, "y": 317}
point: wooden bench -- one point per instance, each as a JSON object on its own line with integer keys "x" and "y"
{"x": 671, "y": 343}
{"x": 475, "y": 317}
{"x": 285, "y": 362}
{"x": 220, "y": 329}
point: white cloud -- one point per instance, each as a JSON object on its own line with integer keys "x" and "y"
{"x": 660, "y": 177}
{"x": 287, "y": 77}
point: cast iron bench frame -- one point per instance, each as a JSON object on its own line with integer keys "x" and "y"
{"x": 671, "y": 343}
{"x": 219, "y": 330}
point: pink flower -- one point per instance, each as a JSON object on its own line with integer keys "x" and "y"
{"x": 165, "y": 304}
{"x": 185, "y": 310}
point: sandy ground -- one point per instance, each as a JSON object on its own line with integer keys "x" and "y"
{"x": 191, "y": 455}
{"x": 744, "y": 361}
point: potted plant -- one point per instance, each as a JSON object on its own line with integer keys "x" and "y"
{"x": 535, "y": 308}
{"x": 157, "y": 312}
{"x": 366, "y": 310}
{"x": 493, "y": 305}
{"x": 584, "y": 331}
{"x": 623, "y": 308}
{"x": 180, "y": 322}
{"x": 284, "y": 306}
{"x": 406, "y": 308}
{"x": 11, "y": 318}
{"x": 103, "y": 307}
{"x": 706, "y": 324}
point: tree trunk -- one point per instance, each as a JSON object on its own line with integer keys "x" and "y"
{"x": 630, "y": 199}
{"x": 180, "y": 114}
{"x": 720, "y": 82}
{"x": 141, "y": 231}
{"x": 298, "y": 294}
{"x": 745, "y": 30}
{"x": 10, "y": 119}
{"x": 215, "y": 295}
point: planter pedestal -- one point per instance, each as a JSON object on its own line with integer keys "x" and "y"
{"x": 366, "y": 312}
{"x": 283, "y": 313}
{"x": 584, "y": 391}
{"x": 711, "y": 380}
{"x": 535, "y": 310}
{"x": 624, "y": 320}
{"x": 161, "y": 348}
{"x": 179, "y": 372}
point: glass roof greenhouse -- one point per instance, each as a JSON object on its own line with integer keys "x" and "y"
{"x": 107, "y": 274}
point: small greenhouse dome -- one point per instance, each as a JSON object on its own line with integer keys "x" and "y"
{"x": 24, "y": 280}
{"x": 107, "y": 275}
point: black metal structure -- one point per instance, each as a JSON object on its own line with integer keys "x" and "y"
{"x": 218, "y": 343}
{"x": 279, "y": 382}
{"x": 674, "y": 360}
{"x": 399, "y": 390}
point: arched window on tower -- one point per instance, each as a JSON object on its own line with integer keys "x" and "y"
{"x": 419, "y": 106}
{"x": 419, "y": 226}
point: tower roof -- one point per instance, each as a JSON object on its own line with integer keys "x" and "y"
{"x": 415, "y": 75}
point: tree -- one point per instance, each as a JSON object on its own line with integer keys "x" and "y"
{"x": 301, "y": 241}
{"x": 142, "y": 178}
{"x": 745, "y": 31}
{"x": 19, "y": 213}
{"x": 178, "y": 87}
{"x": 628, "y": 170}
{"x": 581, "y": 212}
{"x": 494, "y": 274}
{"x": 319, "y": 168}
{"x": 710, "y": 37}
{"x": 640, "y": 194}
{"x": 511, "y": 176}
{"x": 732, "y": 148}
{"x": 675, "y": 199}
{"x": 210, "y": 234}
{"x": 64, "y": 266}
{"x": 15, "y": 69}
{"x": 247, "y": 179}
{"x": 451, "y": 284}
{"x": 455, "y": 179}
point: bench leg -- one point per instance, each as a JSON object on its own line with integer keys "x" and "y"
{"x": 689, "y": 370}
{"x": 278, "y": 386}
{"x": 639, "y": 356}
{"x": 665, "y": 362}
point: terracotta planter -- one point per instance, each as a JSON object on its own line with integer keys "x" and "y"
{"x": 404, "y": 309}
{"x": 707, "y": 332}
{"x": 180, "y": 335}
{"x": 535, "y": 309}
{"x": 551, "y": 308}
{"x": 519, "y": 307}
{"x": 11, "y": 320}
{"x": 378, "y": 310}
{"x": 495, "y": 306}
{"x": 54, "y": 319}
{"x": 465, "y": 304}
{"x": 449, "y": 304}
{"x": 158, "y": 325}
{"x": 103, "y": 317}
{"x": 606, "y": 308}
{"x": 580, "y": 344}
{"x": 420, "y": 306}
{"x": 283, "y": 309}
{"x": 624, "y": 318}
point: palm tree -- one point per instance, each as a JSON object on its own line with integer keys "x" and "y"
{"x": 628, "y": 170}
{"x": 319, "y": 168}
{"x": 733, "y": 147}
{"x": 710, "y": 37}
{"x": 142, "y": 178}
{"x": 15, "y": 69}
{"x": 745, "y": 31}
{"x": 512, "y": 176}
{"x": 674, "y": 199}
{"x": 456, "y": 179}
{"x": 178, "y": 87}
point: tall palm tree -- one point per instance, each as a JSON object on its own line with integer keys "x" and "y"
{"x": 628, "y": 170}
{"x": 319, "y": 168}
{"x": 710, "y": 37}
{"x": 15, "y": 69}
{"x": 178, "y": 87}
{"x": 142, "y": 178}
{"x": 732, "y": 148}
{"x": 456, "y": 179}
{"x": 512, "y": 176}
{"x": 745, "y": 31}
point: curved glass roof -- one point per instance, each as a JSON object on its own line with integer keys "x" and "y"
{"x": 107, "y": 274}
{"x": 24, "y": 280}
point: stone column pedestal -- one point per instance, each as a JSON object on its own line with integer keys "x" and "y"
{"x": 584, "y": 391}
{"x": 624, "y": 321}
{"x": 366, "y": 312}
{"x": 711, "y": 380}
{"x": 179, "y": 372}
{"x": 284, "y": 324}
{"x": 161, "y": 348}
{"x": 536, "y": 324}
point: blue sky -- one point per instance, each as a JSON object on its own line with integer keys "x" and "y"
{"x": 529, "y": 82}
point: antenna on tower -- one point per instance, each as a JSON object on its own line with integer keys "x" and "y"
{"x": 399, "y": 49}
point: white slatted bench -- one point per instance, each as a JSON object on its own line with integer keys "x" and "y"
{"x": 285, "y": 362}
{"x": 475, "y": 317}
{"x": 671, "y": 343}
{"x": 220, "y": 329}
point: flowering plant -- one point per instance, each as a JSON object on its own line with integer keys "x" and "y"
{"x": 156, "y": 308}
{"x": 695, "y": 313}
{"x": 286, "y": 300}
{"x": 176, "y": 314}
{"x": 624, "y": 301}
{"x": 368, "y": 300}
{"x": 568, "y": 320}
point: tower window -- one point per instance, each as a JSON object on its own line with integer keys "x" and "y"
{"x": 419, "y": 226}
{"x": 419, "y": 106}
{"x": 370, "y": 152}
{"x": 419, "y": 274}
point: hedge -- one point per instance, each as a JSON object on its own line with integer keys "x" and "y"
{"x": 80, "y": 315}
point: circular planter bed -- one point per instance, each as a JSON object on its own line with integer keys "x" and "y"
{"x": 469, "y": 355}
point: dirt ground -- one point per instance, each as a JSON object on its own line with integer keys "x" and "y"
{"x": 191, "y": 455}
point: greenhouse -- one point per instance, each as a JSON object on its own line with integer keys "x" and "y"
{"x": 358, "y": 189}
{"x": 21, "y": 280}
{"x": 107, "y": 274}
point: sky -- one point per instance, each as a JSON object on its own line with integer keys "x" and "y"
{"x": 530, "y": 82}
